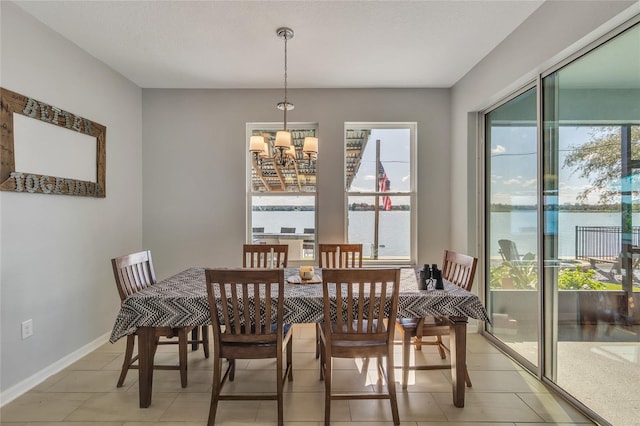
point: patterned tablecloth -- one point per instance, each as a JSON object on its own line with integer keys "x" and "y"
{"x": 182, "y": 300}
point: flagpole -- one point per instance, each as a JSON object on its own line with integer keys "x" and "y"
{"x": 374, "y": 255}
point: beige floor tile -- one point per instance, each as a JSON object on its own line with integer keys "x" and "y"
{"x": 95, "y": 361}
{"x": 426, "y": 380}
{"x": 487, "y": 407}
{"x": 169, "y": 381}
{"x": 304, "y": 407}
{"x": 42, "y": 407}
{"x": 179, "y": 423}
{"x": 351, "y": 381}
{"x": 72, "y": 424}
{"x": 194, "y": 407}
{"x": 547, "y": 424}
{"x": 89, "y": 381}
{"x": 491, "y": 362}
{"x": 305, "y": 344}
{"x": 467, "y": 424}
{"x": 251, "y": 381}
{"x": 376, "y": 423}
{"x": 50, "y": 381}
{"x": 116, "y": 406}
{"x": 503, "y": 381}
{"x": 305, "y": 381}
{"x": 553, "y": 408}
{"x": 411, "y": 407}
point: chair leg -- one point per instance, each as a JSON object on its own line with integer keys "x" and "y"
{"x": 215, "y": 391}
{"x": 195, "y": 336}
{"x": 327, "y": 389}
{"x": 232, "y": 369}
{"x": 467, "y": 379}
{"x": 128, "y": 354}
{"x": 322, "y": 360}
{"x": 317, "y": 341}
{"x": 406, "y": 357}
{"x": 441, "y": 347}
{"x": 182, "y": 356}
{"x": 290, "y": 359}
{"x": 280, "y": 388}
{"x": 391, "y": 387}
{"x": 205, "y": 340}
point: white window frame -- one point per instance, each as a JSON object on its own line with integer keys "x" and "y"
{"x": 250, "y": 127}
{"x": 412, "y": 194}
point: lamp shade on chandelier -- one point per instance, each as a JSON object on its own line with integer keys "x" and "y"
{"x": 283, "y": 150}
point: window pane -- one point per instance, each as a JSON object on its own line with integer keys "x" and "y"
{"x": 512, "y": 234}
{"x": 592, "y": 230}
{"x": 285, "y": 220}
{"x": 293, "y": 172}
{"x": 394, "y": 227}
{"x": 394, "y": 157}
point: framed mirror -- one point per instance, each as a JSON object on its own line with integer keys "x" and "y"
{"x": 67, "y": 158}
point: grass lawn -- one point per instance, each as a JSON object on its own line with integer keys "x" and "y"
{"x": 611, "y": 286}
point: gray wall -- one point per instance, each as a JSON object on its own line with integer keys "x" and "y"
{"x": 194, "y": 164}
{"x": 55, "y": 249}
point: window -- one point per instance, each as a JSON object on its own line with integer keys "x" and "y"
{"x": 282, "y": 197}
{"x": 380, "y": 190}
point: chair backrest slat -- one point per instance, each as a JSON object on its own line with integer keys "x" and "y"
{"x": 241, "y": 300}
{"x": 459, "y": 269}
{"x": 260, "y": 255}
{"x": 376, "y": 300}
{"x": 133, "y": 272}
{"x": 340, "y": 255}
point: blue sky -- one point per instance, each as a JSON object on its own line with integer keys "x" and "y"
{"x": 514, "y": 164}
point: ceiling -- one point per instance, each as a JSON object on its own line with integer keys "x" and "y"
{"x": 337, "y": 44}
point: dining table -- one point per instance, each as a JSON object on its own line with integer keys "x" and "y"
{"x": 181, "y": 300}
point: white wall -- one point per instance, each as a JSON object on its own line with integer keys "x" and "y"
{"x": 553, "y": 32}
{"x": 55, "y": 250}
{"x": 194, "y": 164}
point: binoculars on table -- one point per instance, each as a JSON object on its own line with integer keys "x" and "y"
{"x": 428, "y": 274}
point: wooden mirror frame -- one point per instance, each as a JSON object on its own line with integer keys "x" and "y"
{"x": 20, "y": 181}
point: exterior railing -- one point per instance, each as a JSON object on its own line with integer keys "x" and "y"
{"x": 601, "y": 242}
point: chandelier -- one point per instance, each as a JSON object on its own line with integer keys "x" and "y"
{"x": 284, "y": 152}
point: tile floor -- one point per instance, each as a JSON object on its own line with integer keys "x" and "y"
{"x": 85, "y": 393}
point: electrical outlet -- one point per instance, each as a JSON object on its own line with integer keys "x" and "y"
{"x": 27, "y": 328}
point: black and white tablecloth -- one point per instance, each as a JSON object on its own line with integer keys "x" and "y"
{"x": 182, "y": 300}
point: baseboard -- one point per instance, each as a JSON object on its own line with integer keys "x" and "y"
{"x": 29, "y": 383}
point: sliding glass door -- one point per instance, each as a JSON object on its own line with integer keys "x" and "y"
{"x": 562, "y": 231}
{"x": 592, "y": 227}
{"x": 512, "y": 224}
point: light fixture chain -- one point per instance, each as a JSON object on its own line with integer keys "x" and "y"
{"x": 286, "y": 104}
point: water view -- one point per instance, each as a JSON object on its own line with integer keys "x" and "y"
{"x": 394, "y": 238}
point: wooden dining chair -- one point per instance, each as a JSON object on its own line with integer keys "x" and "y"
{"x": 134, "y": 272}
{"x": 362, "y": 305}
{"x": 265, "y": 255}
{"x": 460, "y": 270}
{"x": 247, "y": 324}
{"x": 340, "y": 255}
{"x": 337, "y": 256}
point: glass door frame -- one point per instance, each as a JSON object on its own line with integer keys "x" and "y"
{"x": 545, "y": 294}
{"x": 484, "y": 217}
